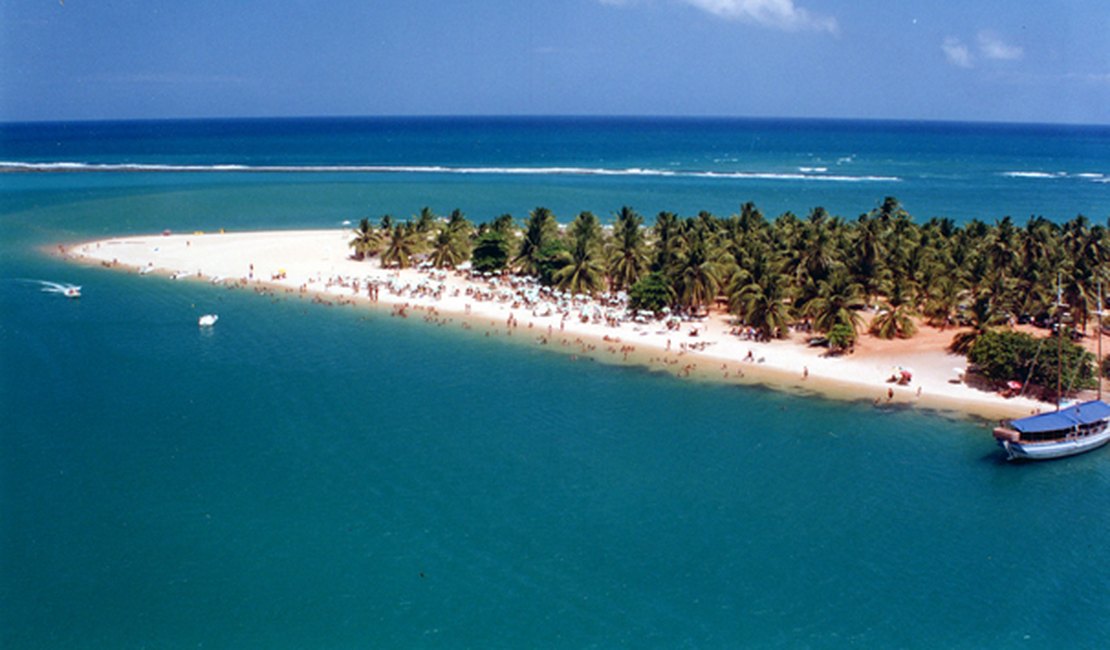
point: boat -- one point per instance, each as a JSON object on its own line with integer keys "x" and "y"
{"x": 207, "y": 320}
{"x": 1067, "y": 431}
{"x": 1073, "y": 430}
{"x": 72, "y": 292}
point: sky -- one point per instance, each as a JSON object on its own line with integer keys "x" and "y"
{"x": 975, "y": 60}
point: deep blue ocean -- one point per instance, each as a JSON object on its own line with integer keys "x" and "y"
{"x": 313, "y": 477}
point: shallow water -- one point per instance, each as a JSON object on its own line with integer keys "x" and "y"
{"x": 304, "y": 476}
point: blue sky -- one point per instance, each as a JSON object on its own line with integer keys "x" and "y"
{"x": 993, "y": 60}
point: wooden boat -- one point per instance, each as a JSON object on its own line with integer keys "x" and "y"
{"x": 1067, "y": 432}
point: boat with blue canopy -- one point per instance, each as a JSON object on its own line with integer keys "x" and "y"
{"x": 1072, "y": 430}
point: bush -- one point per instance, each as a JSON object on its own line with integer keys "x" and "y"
{"x": 651, "y": 292}
{"x": 1005, "y": 355}
{"x": 841, "y": 337}
{"x": 552, "y": 257}
{"x": 491, "y": 252}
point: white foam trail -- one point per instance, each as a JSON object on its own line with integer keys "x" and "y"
{"x": 15, "y": 166}
{"x": 1090, "y": 175}
{"x": 810, "y": 170}
{"x": 55, "y": 287}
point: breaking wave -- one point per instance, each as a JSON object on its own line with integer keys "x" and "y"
{"x": 810, "y": 174}
{"x": 1034, "y": 174}
{"x": 1087, "y": 176}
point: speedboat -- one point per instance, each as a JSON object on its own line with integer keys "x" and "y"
{"x": 72, "y": 291}
{"x": 207, "y": 320}
{"x": 1073, "y": 430}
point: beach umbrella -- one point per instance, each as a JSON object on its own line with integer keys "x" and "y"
{"x": 1013, "y": 385}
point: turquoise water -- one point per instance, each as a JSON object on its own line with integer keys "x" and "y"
{"x": 305, "y": 476}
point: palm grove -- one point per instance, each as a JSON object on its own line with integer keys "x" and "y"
{"x": 819, "y": 272}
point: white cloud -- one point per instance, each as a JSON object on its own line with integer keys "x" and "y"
{"x": 956, "y": 52}
{"x": 993, "y": 47}
{"x": 771, "y": 13}
{"x": 990, "y": 46}
{"x": 780, "y": 14}
{"x": 1090, "y": 77}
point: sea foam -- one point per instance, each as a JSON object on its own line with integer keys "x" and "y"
{"x": 69, "y": 167}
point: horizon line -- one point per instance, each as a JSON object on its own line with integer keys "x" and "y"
{"x": 553, "y": 116}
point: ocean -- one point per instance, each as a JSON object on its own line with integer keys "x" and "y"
{"x": 305, "y": 476}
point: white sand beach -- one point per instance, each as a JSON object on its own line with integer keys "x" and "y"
{"x": 316, "y": 265}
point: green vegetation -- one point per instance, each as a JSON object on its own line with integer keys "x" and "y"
{"x": 491, "y": 252}
{"x": 821, "y": 271}
{"x": 651, "y": 293}
{"x": 1007, "y": 355}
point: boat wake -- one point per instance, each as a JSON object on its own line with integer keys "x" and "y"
{"x": 63, "y": 288}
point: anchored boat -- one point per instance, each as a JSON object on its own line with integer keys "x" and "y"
{"x": 1067, "y": 432}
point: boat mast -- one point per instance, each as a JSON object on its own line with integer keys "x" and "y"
{"x": 1098, "y": 360}
{"x": 1059, "y": 341}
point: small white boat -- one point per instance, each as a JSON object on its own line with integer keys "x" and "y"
{"x": 1067, "y": 432}
{"x": 208, "y": 320}
{"x": 72, "y": 292}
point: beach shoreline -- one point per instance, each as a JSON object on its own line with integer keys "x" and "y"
{"x": 316, "y": 265}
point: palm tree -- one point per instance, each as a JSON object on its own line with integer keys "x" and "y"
{"x": 942, "y": 298}
{"x": 1002, "y": 248}
{"x": 402, "y": 246}
{"x": 426, "y": 220}
{"x": 699, "y": 273}
{"x": 582, "y": 272}
{"x": 539, "y": 230}
{"x": 628, "y": 259}
{"x": 760, "y": 296}
{"x": 503, "y": 224}
{"x": 763, "y": 303}
{"x": 667, "y": 241}
{"x": 894, "y": 320}
{"x": 813, "y": 258}
{"x": 448, "y": 248}
{"x": 983, "y": 317}
{"x": 838, "y": 300}
{"x": 367, "y": 240}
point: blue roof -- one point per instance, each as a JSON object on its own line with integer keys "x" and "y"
{"x": 1066, "y": 418}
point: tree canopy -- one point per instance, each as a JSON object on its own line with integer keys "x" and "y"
{"x": 822, "y": 270}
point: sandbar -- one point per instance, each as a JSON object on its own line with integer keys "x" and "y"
{"x": 317, "y": 265}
